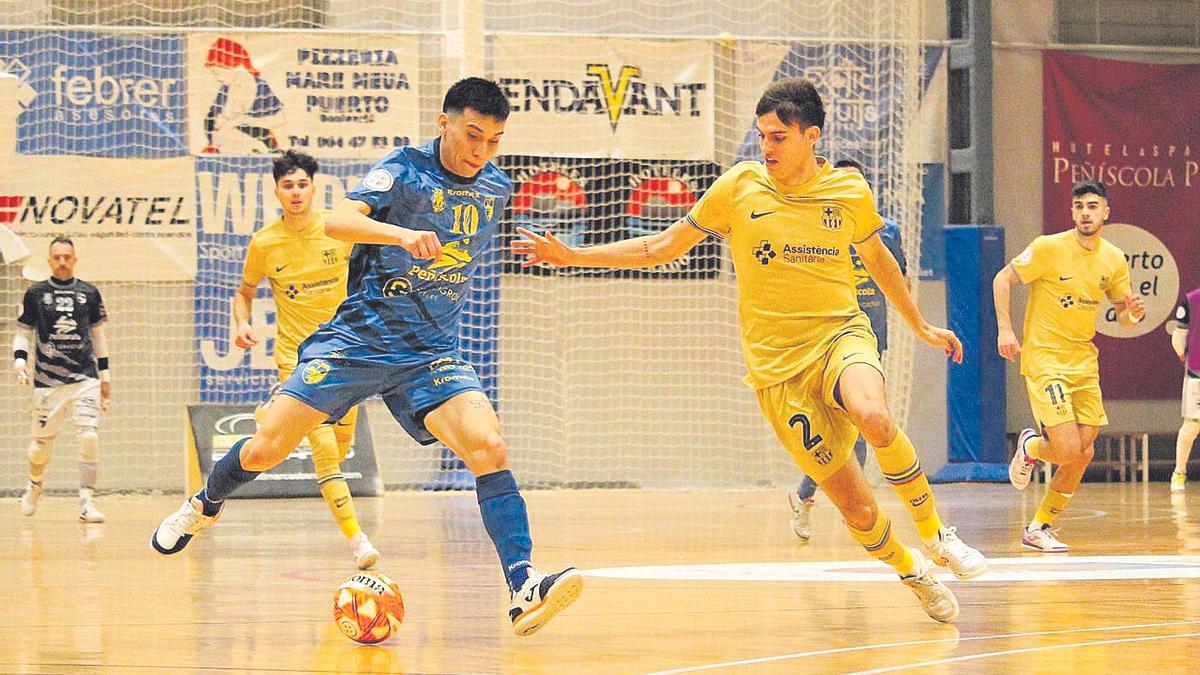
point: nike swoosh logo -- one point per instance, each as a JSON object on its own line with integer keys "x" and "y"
{"x": 849, "y": 355}
{"x": 280, "y": 268}
{"x": 1065, "y": 278}
{"x": 754, "y": 215}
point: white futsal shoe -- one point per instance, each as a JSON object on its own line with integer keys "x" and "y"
{"x": 365, "y": 554}
{"x": 541, "y": 597}
{"x": 801, "y": 515}
{"x": 951, "y": 552}
{"x": 88, "y": 513}
{"x": 177, "y": 529}
{"x": 1043, "y": 539}
{"x": 1020, "y": 468}
{"x": 936, "y": 599}
{"x": 29, "y": 498}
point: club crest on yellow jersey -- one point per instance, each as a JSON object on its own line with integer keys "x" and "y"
{"x": 439, "y": 200}
{"x": 831, "y": 218}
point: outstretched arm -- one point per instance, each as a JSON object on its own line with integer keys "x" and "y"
{"x": 349, "y": 222}
{"x": 636, "y": 253}
{"x": 1006, "y": 339}
{"x": 882, "y": 267}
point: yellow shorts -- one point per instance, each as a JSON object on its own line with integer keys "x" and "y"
{"x": 1058, "y": 399}
{"x": 810, "y": 423}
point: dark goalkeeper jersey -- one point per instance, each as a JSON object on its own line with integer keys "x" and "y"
{"x": 62, "y": 314}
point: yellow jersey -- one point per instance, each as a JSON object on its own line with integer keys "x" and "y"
{"x": 308, "y": 273}
{"x": 791, "y": 252}
{"x": 1067, "y": 282}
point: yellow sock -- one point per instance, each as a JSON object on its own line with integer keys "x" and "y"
{"x": 344, "y": 431}
{"x": 330, "y": 480}
{"x": 885, "y": 546}
{"x": 902, "y": 469}
{"x": 1053, "y": 503}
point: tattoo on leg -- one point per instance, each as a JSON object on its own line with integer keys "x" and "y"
{"x": 478, "y": 403}
{"x": 646, "y": 250}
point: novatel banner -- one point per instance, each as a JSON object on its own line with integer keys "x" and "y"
{"x": 1133, "y": 127}
{"x": 84, "y": 93}
{"x": 130, "y": 219}
{"x": 602, "y": 97}
{"x": 328, "y": 94}
{"x": 586, "y": 202}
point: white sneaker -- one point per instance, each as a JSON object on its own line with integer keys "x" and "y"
{"x": 936, "y": 599}
{"x": 176, "y": 530}
{"x": 543, "y": 596}
{"x": 1020, "y": 468}
{"x": 29, "y": 498}
{"x": 801, "y": 515}
{"x": 1042, "y": 539}
{"x": 88, "y": 512}
{"x": 953, "y": 553}
{"x": 365, "y": 554}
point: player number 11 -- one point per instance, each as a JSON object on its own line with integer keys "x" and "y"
{"x": 466, "y": 219}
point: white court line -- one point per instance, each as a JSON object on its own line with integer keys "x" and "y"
{"x": 1026, "y": 650}
{"x": 910, "y": 643}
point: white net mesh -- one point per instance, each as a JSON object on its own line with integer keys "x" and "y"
{"x": 624, "y": 113}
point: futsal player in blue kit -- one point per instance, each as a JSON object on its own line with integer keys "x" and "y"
{"x": 419, "y": 220}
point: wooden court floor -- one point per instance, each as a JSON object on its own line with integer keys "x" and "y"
{"x": 677, "y": 582}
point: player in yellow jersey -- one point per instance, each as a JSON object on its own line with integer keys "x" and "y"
{"x": 1068, "y": 274}
{"x": 307, "y": 271}
{"x": 809, "y": 349}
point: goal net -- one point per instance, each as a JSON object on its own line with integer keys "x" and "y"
{"x": 145, "y": 130}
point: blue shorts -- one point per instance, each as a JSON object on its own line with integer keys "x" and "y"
{"x": 334, "y": 386}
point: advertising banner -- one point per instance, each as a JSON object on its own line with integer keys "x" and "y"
{"x": 1121, "y": 123}
{"x": 596, "y": 201}
{"x": 601, "y": 97}
{"x": 213, "y": 429}
{"x": 92, "y": 94}
{"x": 130, "y": 219}
{"x": 329, "y": 94}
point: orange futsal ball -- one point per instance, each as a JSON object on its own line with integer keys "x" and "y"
{"x": 368, "y": 608}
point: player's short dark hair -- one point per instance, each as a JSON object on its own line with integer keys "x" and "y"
{"x": 1089, "y": 187}
{"x": 795, "y": 101}
{"x": 843, "y": 163}
{"x": 62, "y": 239}
{"x": 482, "y": 96}
{"x": 292, "y": 160}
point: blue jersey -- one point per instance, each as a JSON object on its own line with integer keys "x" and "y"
{"x": 870, "y": 298}
{"x": 400, "y": 310}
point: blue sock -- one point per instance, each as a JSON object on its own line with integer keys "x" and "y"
{"x": 807, "y": 488}
{"x": 507, "y": 523}
{"x": 226, "y": 477}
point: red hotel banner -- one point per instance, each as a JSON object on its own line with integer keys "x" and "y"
{"x": 1136, "y": 128}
